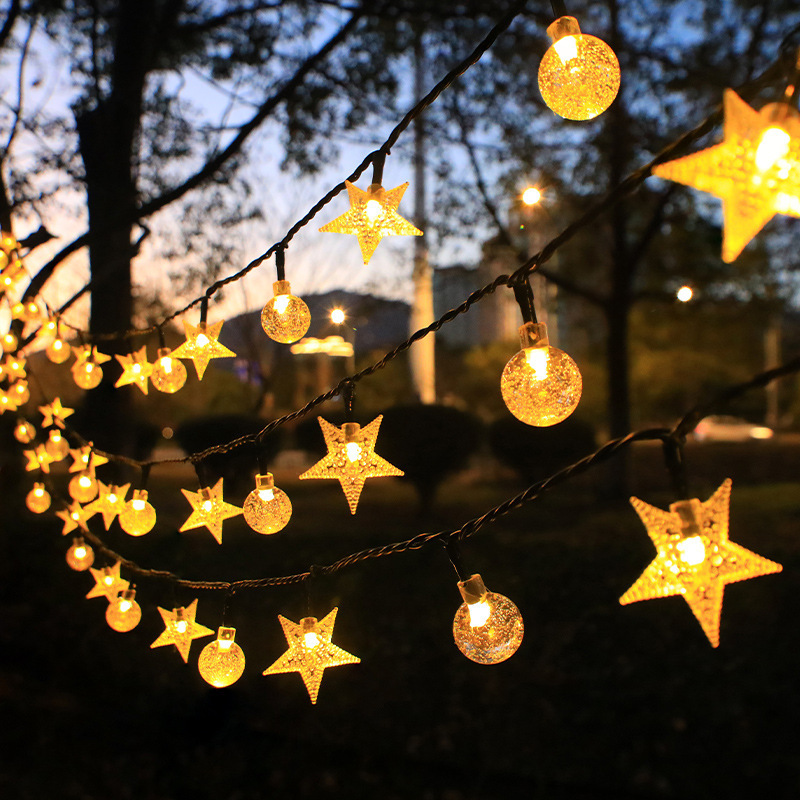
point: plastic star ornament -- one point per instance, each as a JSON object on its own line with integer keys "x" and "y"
{"x": 372, "y": 215}
{"x": 136, "y": 370}
{"x": 209, "y": 509}
{"x": 110, "y": 501}
{"x": 755, "y": 170}
{"x": 38, "y": 458}
{"x": 74, "y": 516}
{"x": 84, "y": 458}
{"x": 351, "y": 458}
{"x": 201, "y": 345}
{"x": 310, "y": 651}
{"x": 107, "y": 582}
{"x": 695, "y": 558}
{"x": 180, "y": 629}
{"x": 55, "y": 414}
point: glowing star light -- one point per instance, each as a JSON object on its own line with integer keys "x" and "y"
{"x": 221, "y": 662}
{"x": 84, "y": 458}
{"x": 107, "y": 582}
{"x": 755, "y": 170}
{"x": 110, "y": 501}
{"x": 310, "y": 651}
{"x": 136, "y": 369}
{"x": 209, "y": 509}
{"x": 201, "y": 345}
{"x": 351, "y": 458}
{"x": 38, "y": 458}
{"x": 695, "y": 558}
{"x": 74, "y": 516}
{"x": 180, "y": 629}
{"x": 372, "y": 215}
{"x": 55, "y": 414}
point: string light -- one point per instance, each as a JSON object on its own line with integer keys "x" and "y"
{"x": 285, "y": 318}
{"x": 221, "y": 662}
{"x": 13, "y": 367}
{"x": 109, "y": 502}
{"x": 487, "y": 627}
{"x": 83, "y": 487}
{"x": 107, "y": 582}
{"x": 55, "y": 414}
{"x": 86, "y": 457}
{"x": 579, "y": 74}
{"x": 351, "y": 458}
{"x": 124, "y": 613}
{"x": 136, "y": 370}
{"x": 310, "y": 651}
{"x": 180, "y": 629}
{"x": 24, "y": 432}
{"x": 209, "y": 510}
{"x": 38, "y": 499}
{"x": 541, "y": 385}
{"x": 80, "y": 555}
{"x": 57, "y": 446}
{"x": 58, "y": 351}
{"x": 267, "y": 509}
{"x": 695, "y": 558}
{"x": 372, "y": 216}
{"x": 38, "y": 458}
{"x": 20, "y": 393}
{"x": 169, "y": 374}
{"x": 201, "y": 345}
{"x": 10, "y": 342}
{"x": 137, "y": 516}
{"x": 86, "y": 371}
{"x": 74, "y": 516}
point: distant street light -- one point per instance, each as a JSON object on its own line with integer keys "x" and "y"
{"x": 337, "y": 316}
{"x": 531, "y": 196}
{"x": 685, "y": 294}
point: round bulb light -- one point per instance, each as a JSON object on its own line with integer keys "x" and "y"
{"x": 57, "y": 446}
{"x": 80, "y": 556}
{"x": 221, "y": 662}
{"x": 124, "y": 613}
{"x": 83, "y": 487}
{"x": 267, "y": 509}
{"x": 10, "y": 342}
{"x": 58, "y": 351}
{"x": 137, "y": 516}
{"x": 20, "y": 392}
{"x": 487, "y": 627}
{"x": 285, "y": 318}
{"x": 38, "y": 499}
{"x": 541, "y": 385}
{"x": 24, "y": 432}
{"x": 579, "y": 74}
{"x": 87, "y": 374}
{"x": 168, "y": 373}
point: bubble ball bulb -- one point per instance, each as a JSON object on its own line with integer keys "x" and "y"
{"x": 137, "y": 516}
{"x": 168, "y": 373}
{"x": 267, "y": 509}
{"x": 38, "y": 499}
{"x": 541, "y": 385}
{"x": 58, "y": 351}
{"x": 221, "y": 662}
{"x": 285, "y": 318}
{"x": 24, "y": 432}
{"x": 487, "y": 627}
{"x": 80, "y": 556}
{"x": 124, "y": 613}
{"x": 579, "y": 74}
{"x": 86, "y": 374}
{"x": 57, "y": 446}
{"x": 83, "y": 487}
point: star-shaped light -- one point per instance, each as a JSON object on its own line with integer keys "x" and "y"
{"x": 695, "y": 558}
{"x": 74, "y": 516}
{"x": 351, "y": 458}
{"x": 87, "y": 352}
{"x": 310, "y": 651}
{"x": 55, "y": 414}
{"x": 110, "y": 501}
{"x": 180, "y": 629}
{"x": 372, "y": 215}
{"x": 84, "y": 458}
{"x": 136, "y": 369}
{"x": 755, "y": 170}
{"x": 201, "y": 345}
{"x": 209, "y": 509}
{"x": 8, "y": 402}
{"x": 38, "y": 458}
{"x": 107, "y": 582}
{"x": 13, "y": 367}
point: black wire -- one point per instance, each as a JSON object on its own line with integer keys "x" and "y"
{"x": 524, "y": 296}
{"x": 672, "y": 447}
{"x": 377, "y": 168}
{"x": 559, "y": 8}
{"x": 280, "y": 263}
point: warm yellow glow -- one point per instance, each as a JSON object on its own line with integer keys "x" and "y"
{"x": 166, "y": 364}
{"x": 267, "y": 509}
{"x": 692, "y": 551}
{"x": 202, "y": 340}
{"x": 773, "y": 146}
{"x": 85, "y": 481}
{"x": 478, "y": 613}
{"x": 209, "y": 510}
{"x": 88, "y": 367}
{"x": 181, "y": 626}
{"x": 224, "y": 644}
{"x": 537, "y": 359}
{"x": 112, "y": 498}
{"x": 207, "y": 505}
{"x": 310, "y": 640}
{"x": 374, "y": 211}
{"x": 337, "y": 316}
{"x": 10, "y": 342}
{"x": 39, "y": 491}
{"x": 760, "y": 432}
{"x": 567, "y": 48}
{"x": 75, "y": 515}
{"x": 125, "y": 605}
{"x": 685, "y": 294}
{"x": 281, "y": 303}
{"x": 80, "y": 552}
{"x": 353, "y": 450}
{"x": 138, "y": 504}
{"x": 531, "y": 196}
{"x": 221, "y": 662}
{"x": 266, "y": 494}
{"x": 285, "y": 318}
{"x": 108, "y": 580}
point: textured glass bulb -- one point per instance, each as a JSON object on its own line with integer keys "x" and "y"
{"x": 221, "y": 662}
{"x": 137, "y": 516}
{"x": 285, "y": 318}
{"x": 487, "y": 627}
{"x": 20, "y": 392}
{"x": 541, "y": 385}
{"x": 168, "y": 373}
{"x": 692, "y": 551}
{"x": 83, "y": 487}
{"x": 57, "y": 446}
{"x": 579, "y": 75}
{"x": 38, "y": 499}
{"x": 124, "y": 613}
{"x": 267, "y": 509}
{"x": 86, "y": 374}
{"x": 58, "y": 351}
{"x": 10, "y": 342}
{"x": 80, "y": 556}
{"x": 773, "y": 146}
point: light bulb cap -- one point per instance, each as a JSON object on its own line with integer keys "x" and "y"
{"x": 563, "y": 26}
{"x": 689, "y": 512}
{"x": 139, "y": 494}
{"x": 127, "y": 594}
{"x": 351, "y": 430}
{"x": 533, "y": 334}
{"x": 265, "y": 481}
{"x": 308, "y": 625}
{"x": 472, "y": 589}
{"x": 376, "y": 192}
{"x": 163, "y": 352}
{"x": 281, "y": 287}
{"x": 226, "y": 634}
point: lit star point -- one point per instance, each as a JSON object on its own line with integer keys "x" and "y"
{"x": 201, "y": 345}
{"x": 55, "y": 414}
{"x": 110, "y": 501}
{"x": 107, "y": 582}
{"x": 180, "y": 629}
{"x": 209, "y": 509}
{"x": 74, "y": 516}
{"x": 86, "y": 458}
{"x": 136, "y": 370}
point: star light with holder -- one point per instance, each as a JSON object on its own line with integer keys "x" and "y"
{"x": 136, "y": 370}
{"x": 80, "y": 555}
{"x": 755, "y": 171}
{"x": 351, "y": 458}
{"x": 110, "y": 501}
{"x": 123, "y": 613}
{"x": 38, "y": 499}
{"x": 13, "y": 367}
{"x": 55, "y": 414}
{"x": 285, "y": 318}
{"x": 221, "y": 662}
{"x": 310, "y": 651}
{"x": 108, "y": 582}
{"x": 86, "y": 457}
{"x": 201, "y": 343}
{"x": 74, "y": 517}
{"x": 38, "y": 458}
{"x": 695, "y": 558}
{"x": 209, "y": 509}
{"x": 180, "y": 629}
{"x": 267, "y": 509}
{"x": 7, "y": 402}
{"x": 86, "y": 371}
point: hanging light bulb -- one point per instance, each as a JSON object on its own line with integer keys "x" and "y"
{"x": 487, "y": 627}
{"x": 221, "y": 662}
{"x": 38, "y": 499}
{"x": 267, "y": 509}
{"x": 137, "y": 516}
{"x": 168, "y": 373}
{"x": 24, "y": 432}
{"x": 124, "y": 613}
{"x": 86, "y": 374}
{"x": 58, "y": 350}
{"x": 57, "y": 446}
{"x": 541, "y": 385}
{"x": 579, "y": 74}
{"x": 285, "y": 318}
{"x": 20, "y": 392}
{"x": 83, "y": 487}
{"x": 80, "y": 556}
{"x": 10, "y": 342}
